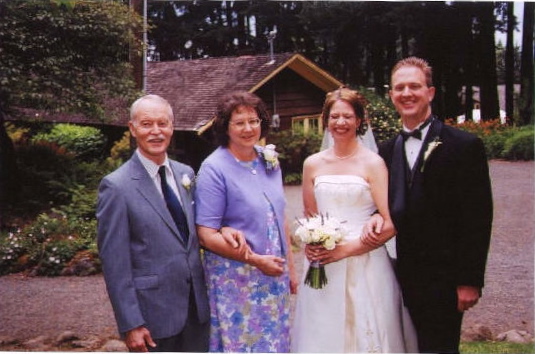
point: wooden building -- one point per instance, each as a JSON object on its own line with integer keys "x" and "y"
{"x": 292, "y": 87}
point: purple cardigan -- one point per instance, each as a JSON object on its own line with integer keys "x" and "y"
{"x": 228, "y": 194}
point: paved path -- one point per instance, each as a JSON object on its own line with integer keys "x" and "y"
{"x": 30, "y": 307}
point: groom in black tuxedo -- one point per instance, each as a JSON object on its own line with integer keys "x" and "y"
{"x": 441, "y": 203}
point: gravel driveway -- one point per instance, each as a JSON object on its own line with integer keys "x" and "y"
{"x": 30, "y": 307}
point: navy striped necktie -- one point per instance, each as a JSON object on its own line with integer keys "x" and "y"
{"x": 173, "y": 204}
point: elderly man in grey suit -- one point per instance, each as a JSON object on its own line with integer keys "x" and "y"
{"x": 148, "y": 244}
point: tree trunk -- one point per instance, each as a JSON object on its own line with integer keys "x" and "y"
{"x": 488, "y": 78}
{"x": 241, "y": 33}
{"x": 8, "y": 172}
{"x": 469, "y": 66}
{"x": 510, "y": 62}
{"x": 137, "y": 60}
{"x": 526, "y": 69}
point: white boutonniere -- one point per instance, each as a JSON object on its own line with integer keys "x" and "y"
{"x": 186, "y": 181}
{"x": 430, "y": 148}
{"x": 270, "y": 157}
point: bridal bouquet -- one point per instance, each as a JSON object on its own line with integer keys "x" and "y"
{"x": 319, "y": 230}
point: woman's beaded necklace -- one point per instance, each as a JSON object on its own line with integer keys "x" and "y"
{"x": 251, "y": 165}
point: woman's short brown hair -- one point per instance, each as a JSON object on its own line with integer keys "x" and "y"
{"x": 355, "y": 99}
{"x": 228, "y": 104}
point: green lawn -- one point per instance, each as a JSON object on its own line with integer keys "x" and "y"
{"x": 496, "y": 347}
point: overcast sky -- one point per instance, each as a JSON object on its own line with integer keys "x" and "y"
{"x": 519, "y": 13}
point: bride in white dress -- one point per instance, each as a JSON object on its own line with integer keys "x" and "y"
{"x": 361, "y": 308}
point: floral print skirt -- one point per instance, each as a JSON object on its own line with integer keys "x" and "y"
{"x": 250, "y": 311}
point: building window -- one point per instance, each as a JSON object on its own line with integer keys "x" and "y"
{"x": 307, "y": 124}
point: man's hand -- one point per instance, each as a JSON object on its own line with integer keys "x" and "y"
{"x": 137, "y": 339}
{"x": 374, "y": 226}
{"x": 467, "y": 296}
{"x": 234, "y": 237}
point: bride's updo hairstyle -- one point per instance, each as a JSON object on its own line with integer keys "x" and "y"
{"x": 355, "y": 99}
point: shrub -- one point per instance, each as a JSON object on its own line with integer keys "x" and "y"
{"x": 293, "y": 149}
{"x": 293, "y": 179}
{"x": 86, "y": 143}
{"x": 44, "y": 171}
{"x": 494, "y": 144}
{"x": 47, "y": 245}
{"x": 121, "y": 150}
{"x": 16, "y": 133}
{"x": 384, "y": 119}
{"x": 520, "y": 145}
{"x": 501, "y": 141}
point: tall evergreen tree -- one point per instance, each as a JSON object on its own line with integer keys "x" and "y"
{"x": 488, "y": 81}
{"x": 510, "y": 60}
{"x": 527, "y": 91}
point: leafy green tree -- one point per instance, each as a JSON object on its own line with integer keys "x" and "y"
{"x": 62, "y": 57}
{"x": 66, "y": 59}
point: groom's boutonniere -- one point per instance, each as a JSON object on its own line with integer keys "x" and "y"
{"x": 186, "y": 181}
{"x": 430, "y": 148}
{"x": 271, "y": 157}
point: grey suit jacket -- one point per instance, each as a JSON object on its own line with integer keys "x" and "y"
{"x": 149, "y": 271}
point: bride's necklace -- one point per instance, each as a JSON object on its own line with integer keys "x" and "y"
{"x": 344, "y": 157}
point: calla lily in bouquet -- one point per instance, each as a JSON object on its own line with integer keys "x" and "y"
{"x": 319, "y": 230}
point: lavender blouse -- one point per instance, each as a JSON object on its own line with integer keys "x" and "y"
{"x": 228, "y": 193}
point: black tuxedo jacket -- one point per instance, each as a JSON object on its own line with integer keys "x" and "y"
{"x": 442, "y": 209}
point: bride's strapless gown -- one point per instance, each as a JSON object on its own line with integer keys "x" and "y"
{"x": 361, "y": 308}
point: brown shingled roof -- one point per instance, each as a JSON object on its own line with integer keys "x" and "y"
{"x": 194, "y": 86}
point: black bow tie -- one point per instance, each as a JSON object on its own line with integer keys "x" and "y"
{"x": 416, "y": 133}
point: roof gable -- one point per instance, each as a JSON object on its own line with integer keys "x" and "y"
{"x": 193, "y": 87}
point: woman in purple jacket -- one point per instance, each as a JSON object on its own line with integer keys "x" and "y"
{"x": 240, "y": 186}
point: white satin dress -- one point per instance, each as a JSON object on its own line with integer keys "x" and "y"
{"x": 360, "y": 310}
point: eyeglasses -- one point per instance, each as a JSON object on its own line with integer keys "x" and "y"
{"x": 253, "y": 123}
{"x": 343, "y": 117}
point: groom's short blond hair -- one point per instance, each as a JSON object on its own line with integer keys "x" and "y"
{"x": 419, "y": 63}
